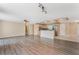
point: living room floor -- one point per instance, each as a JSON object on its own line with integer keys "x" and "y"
{"x": 34, "y": 45}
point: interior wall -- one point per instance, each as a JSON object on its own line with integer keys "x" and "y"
{"x": 8, "y": 29}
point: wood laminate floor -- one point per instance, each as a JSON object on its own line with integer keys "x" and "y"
{"x": 34, "y": 45}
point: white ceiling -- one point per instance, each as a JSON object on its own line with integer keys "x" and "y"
{"x": 31, "y": 11}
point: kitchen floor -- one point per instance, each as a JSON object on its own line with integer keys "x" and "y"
{"x": 34, "y": 45}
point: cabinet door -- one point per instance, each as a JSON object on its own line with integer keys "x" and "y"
{"x": 36, "y": 29}
{"x": 78, "y": 29}
{"x": 71, "y": 29}
{"x": 62, "y": 29}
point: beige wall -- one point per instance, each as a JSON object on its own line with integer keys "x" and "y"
{"x": 8, "y": 29}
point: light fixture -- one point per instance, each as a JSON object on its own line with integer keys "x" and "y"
{"x": 42, "y": 7}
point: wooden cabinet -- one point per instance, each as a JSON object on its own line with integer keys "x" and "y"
{"x": 71, "y": 29}
{"x": 36, "y": 29}
{"x": 28, "y": 28}
{"x": 67, "y": 27}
